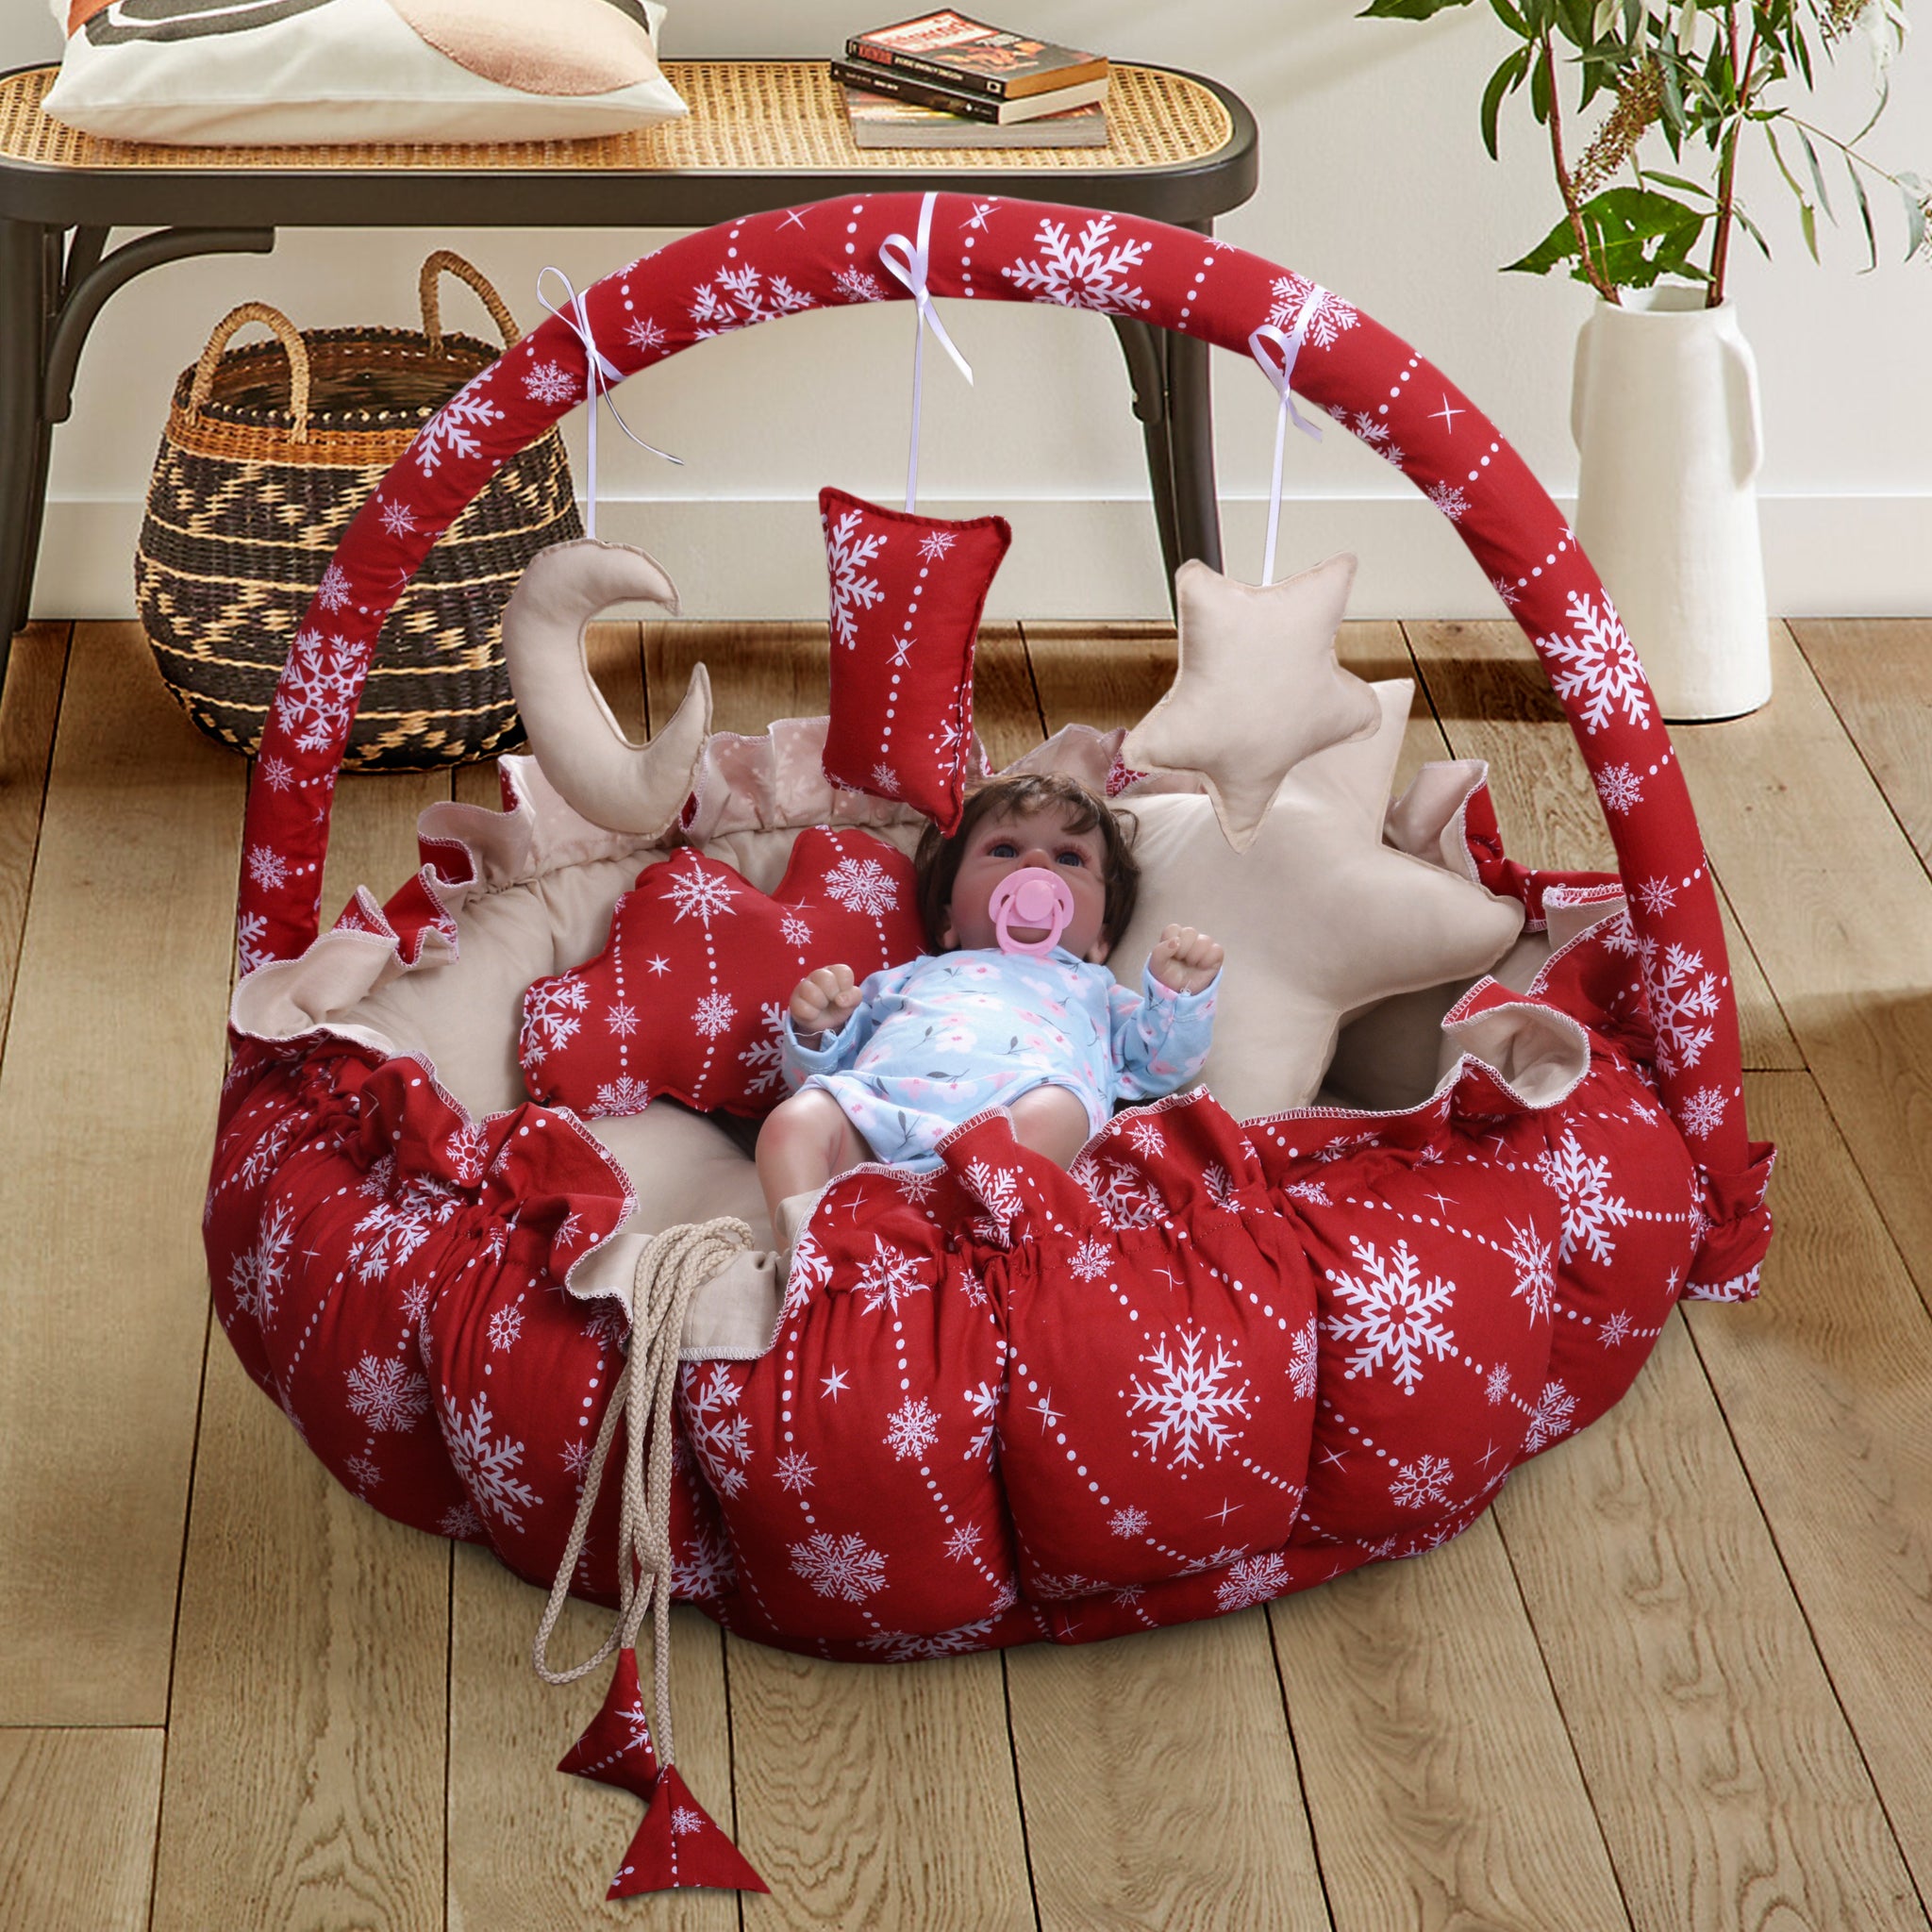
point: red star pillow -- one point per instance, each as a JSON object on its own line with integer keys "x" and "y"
{"x": 907, "y": 594}
{"x": 688, "y": 996}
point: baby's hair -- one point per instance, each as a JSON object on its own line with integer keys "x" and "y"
{"x": 937, "y": 861}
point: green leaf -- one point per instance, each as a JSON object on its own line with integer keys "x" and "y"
{"x": 1506, "y": 80}
{"x": 1539, "y": 92}
{"x": 1865, "y": 216}
{"x": 1808, "y": 222}
{"x": 1510, "y": 18}
{"x": 1817, "y": 174}
{"x": 1636, "y": 235}
{"x": 1751, "y": 228}
{"x": 1406, "y": 9}
{"x": 1915, "y": 218}
{"x": 1678, "y": 181}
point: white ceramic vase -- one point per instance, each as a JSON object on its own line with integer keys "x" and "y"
{"x": 1664, "y": 410}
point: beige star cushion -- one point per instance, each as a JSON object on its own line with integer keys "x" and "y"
{"x": 1258, "y": 689}
{"x": 1319, "y": 915}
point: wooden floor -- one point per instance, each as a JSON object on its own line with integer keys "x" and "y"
{"x": 1680, "y": 1676}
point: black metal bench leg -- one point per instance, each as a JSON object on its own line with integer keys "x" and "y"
{"x": 1191, "y": 434}
{"x": 25, "y": 294}
{"x": 1145, "y": 350}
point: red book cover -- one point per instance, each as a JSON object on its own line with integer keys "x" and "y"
{"x": 968, "y": 54}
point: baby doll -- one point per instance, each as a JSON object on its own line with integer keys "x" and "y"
{"x": 1013, "y": 1007}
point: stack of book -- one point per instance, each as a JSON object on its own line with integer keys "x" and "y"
{"x": 943, "y": 81}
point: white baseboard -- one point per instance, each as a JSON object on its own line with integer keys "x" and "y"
{"x": 1824, "y": 556}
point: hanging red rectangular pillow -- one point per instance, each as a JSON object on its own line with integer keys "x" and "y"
{"x": 906, "y": 594}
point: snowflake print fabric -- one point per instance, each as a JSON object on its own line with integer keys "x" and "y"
{"x": 906, "y": 594}
{"x": 688, "y": 998}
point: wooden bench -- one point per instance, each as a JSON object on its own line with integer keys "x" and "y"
{"x": 761, "y": 134}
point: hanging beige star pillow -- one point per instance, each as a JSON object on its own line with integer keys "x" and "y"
{"x": 1257, "y": 690}
{"x": 1319, "y": 915}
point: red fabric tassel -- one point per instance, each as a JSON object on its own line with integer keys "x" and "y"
{"x": 679, "y": 1845}
{"x": 616, "y": 1746}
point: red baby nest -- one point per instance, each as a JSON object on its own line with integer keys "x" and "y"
{"x": 1220, "y": 1361}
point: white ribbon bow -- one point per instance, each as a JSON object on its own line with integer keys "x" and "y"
{"x": 1290, "y": 345}
{"x": 908, "y": 266}
{"x": 600, "y": 376}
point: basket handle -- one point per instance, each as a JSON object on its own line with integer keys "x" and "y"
{"x": 429, "y": 285}
{"x": 285, "y": 332}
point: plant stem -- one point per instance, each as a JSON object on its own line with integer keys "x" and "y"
{"x": 1567, "y": 187}
{"x": 1741, "y": 87}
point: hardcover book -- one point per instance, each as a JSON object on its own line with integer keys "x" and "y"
{"x": 966, "y": 53}
{"x": 877, "y": 122}
{"x": 916, "y": 89}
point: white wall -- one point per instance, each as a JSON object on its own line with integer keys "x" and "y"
{"x": 1373, "y": 182}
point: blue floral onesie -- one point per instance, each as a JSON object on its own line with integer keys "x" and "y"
{"x": 932, "y": 1044}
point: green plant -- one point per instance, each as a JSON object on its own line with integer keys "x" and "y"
{"x": 1703, "y": 74}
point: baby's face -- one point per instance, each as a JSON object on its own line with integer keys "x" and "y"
{"x": 1009, "y": 842}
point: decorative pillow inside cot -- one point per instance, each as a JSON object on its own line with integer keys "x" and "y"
{"x": 273, "y": 73}
{"x": 688, "y": 996}
{"x": 1319, "y": 915}
{"x": 906, "y": 594}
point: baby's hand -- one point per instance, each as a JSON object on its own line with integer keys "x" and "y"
{"x": 824, "y": 1000}
{"x": 1184, "y": 960}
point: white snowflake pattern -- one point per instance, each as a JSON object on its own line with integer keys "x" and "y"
{"x": 905, "y": 1647}
{"x": 366, "y": 1471}
{"x": 794, "y": 927}
{"x": 794, "y": 1471}
{"x": 985, "y": 1404}
{"x": 847, "y": 553}
{"x": 398, "y": 518}
{"x": 1251, "y": 1581}
{"x": 1582, "y": 1188}
{"x": 334, "y": 591}
{"x": 1146, "y": 1139}
{"x": 486, "y": 1463}
{"x": 997, "y": 1190}
{"x": 1681, "y": 994}
{"x": 1509, "y": 593}
{"x": 1393, "y": 1314}
{"x": 391, "y": 1231}
{"x": 917, "y": 1184}
{"x": 1088, "y": 273}
{"x": 1221, "y": 1187}
{"x": 464, "y": 1149}
{"x": 1536, "y": 1275}
{"x": 713, "y": 1015}
{"x": 913, "y": 1429}
{"x": 386, "y": 1393}
{"x": 1449, "y": 500}
{"x": 1617, "y": 1329}
{"x": 1497, "y": 1385}
{"x": 640, "y": 332}
{"x": 936, "y": 544}
{"x": 618, "y": 1098}
{"x": 718, "y": 1429}
{"x": 1656, "y": 896}
{"x": 277, "y": 773}
{"x": 888, "y": 1277}
{"x": 316, "y": 697}
{"x": 840, "y": 1566}
{"x": 862, "y": 885}
{"x": 505, "y": 1326}
{"x": 251, "y": 930}
{"x": 1621, "y": 789}
{"x": 550, "y": 382}
{"x": 1331, "y": 318}
{"x": 740, "y": 296}
{"x": 764, "y": 1059}
{"x": 1191, "y": 1397}
{"x": 854, "y": 285}
{"x": 1304, "y": 1358}
{"x": 1130, "y": 1521}
{"x": 553, "y": 1012}
{"x": 703, "y": 1568}
{"x": 695, "y": 893}
{"x": 461, "y": 1522}
{"x": 1596, "y": 665}
{"x": 1314, "y": 1192}
{"x": 1423, "y": 1484}
{"x": 258, "y": 1275}
{"x": 621, "y": 1019}
{"x": 456, "y": 429}
{"x": 1124, "y": 1195}
{"x": 1090, "y": 1262}
{"x": 1704, "y": 1112}
{"x": 1554, "y": 1417}
{"x": 810, "y": 1271}
{"x": 964, "y": 1544}
{"x": 885, "y": 781}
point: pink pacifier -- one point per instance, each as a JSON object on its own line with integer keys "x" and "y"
{"x": 1031, "y": 896}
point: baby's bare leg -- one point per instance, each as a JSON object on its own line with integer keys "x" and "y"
{"x": 1052, "y": 1120}
{"x": 805, "y": 1143}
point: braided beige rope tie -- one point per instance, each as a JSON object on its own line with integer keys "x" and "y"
{"x": 671, "y": 1270}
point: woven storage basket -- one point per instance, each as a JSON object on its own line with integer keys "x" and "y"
{"x": 269, "y": 451}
